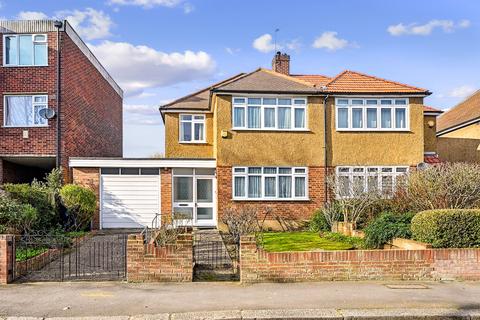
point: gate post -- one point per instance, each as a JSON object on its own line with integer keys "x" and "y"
{"x": 7, "y": 258}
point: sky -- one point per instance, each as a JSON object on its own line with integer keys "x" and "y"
{"x": 161, "y": 50}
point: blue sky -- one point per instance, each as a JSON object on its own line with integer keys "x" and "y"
{"x": 159, "y": 50}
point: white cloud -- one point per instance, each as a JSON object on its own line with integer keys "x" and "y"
{"x": 142, "y": 114}
{"x": 294, "y": 45}
{"x": 89, "y": 23}
{"x": 329, "y": 41}
{"x": 264, "y": 43}
{"x": 147, "y": 4}
{"x": 31, "y": 15}
{"x": 188, "y": 8}
{"x": 232, "y": 51}
{"x": 426, "y": 29}
{"x": 461, "y": 92}
{"x": 137, "y": 68}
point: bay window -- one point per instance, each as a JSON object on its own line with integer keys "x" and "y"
{"x": 192, "y": 128}
{"x": 269, "y": 113}
{"x": 353, "y": 181}
{"x": 25, "y": 50}
{"x": 270, "y": 183}
{"x": 24, "y": 111}
{"x": 372, "y": 114}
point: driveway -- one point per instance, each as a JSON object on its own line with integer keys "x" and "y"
{"x": 118, "y": 298}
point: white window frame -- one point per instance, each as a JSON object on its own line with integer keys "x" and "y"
{"x": 378, "y": 107}
{"x": 263, "y": 175}
{"x": 396, "y": 171}
{"x": 18, "y": 50}
{"x": 193, "y": 121}
{"x": 33, "y": 110}
{"x": 276, "y": 106}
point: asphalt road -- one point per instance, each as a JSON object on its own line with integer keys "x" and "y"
{"x": 77, "y": 299}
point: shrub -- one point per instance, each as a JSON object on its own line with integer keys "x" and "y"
{"x": 240, "y": 221}
{"x": 448, "y": 228}
{"x": 355, "y": 242}
{"x": 386, "y": 227}
{"x": 37, "y": 196}
{"x": 446, "y": 186}
{"x": 80, "y": 203}
{"x": 319, "y": 222}
{"x": 16, "y": 217}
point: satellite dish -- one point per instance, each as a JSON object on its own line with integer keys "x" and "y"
{"x": 422, "y": 166}
{"x": 47, "y": 113}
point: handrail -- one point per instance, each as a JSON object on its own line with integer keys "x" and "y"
{"x": 154, "y": 225}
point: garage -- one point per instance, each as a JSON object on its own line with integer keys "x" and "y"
{"x": 130, "y": 197}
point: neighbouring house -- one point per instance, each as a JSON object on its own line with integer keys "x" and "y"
{"x": 458, "y": 131}
{"x": 49, "y": 79}
{"x": 268, "y": 138}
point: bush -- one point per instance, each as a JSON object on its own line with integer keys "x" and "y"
{"x": 448, "y": 228}
{"x": 445, "y": 186}
{"x": 80, "y": 203}
{"x": 319, "y": 222}
{"x": 355, "y": 242}
{"x": 16, "y": 217}
{"x": 386, "y": 227}
{"x": 240, "y": 221}
{"x": 37, "y": 196}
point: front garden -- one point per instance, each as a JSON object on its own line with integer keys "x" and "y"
{"x": 436, "y": 207}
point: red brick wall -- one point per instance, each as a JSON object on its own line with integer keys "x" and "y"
{"x": 166, "y": 194}
{"x": 91, "y": 109}
{"x": 20, "y": 80}
{"x": 256, "y": 265}
{"x": 287, "y": 209}
{"x": 6, "y": 258}
{"x": 149, "y": 263}
{"x": 90, "y": 178}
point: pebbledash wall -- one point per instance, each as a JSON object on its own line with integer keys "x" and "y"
{"x": 257, "y": 265}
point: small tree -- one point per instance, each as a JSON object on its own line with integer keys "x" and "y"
{"x": 352, "y": 200}
{"x": 240, "y": 221}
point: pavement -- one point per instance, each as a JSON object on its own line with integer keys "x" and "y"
{"x": 230, "y": 300}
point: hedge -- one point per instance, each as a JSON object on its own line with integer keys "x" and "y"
{"x": 386, "y": 227}
{"x": 448, "y": 228}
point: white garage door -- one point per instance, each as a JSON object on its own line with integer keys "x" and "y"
{"x": 129, "y": 201}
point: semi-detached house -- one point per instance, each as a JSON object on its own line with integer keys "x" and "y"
{"x": 268, "y": 138}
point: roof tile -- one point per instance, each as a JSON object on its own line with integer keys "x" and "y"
{"x": 465, "y": 111}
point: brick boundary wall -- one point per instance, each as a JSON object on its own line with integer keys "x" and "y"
{"x": 257, "y": 265}
{"x": 6, "y": 258}
{"x": 149, "y": 263}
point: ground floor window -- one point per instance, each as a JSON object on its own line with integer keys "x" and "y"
{"x": 355, "y": 180}
{"x": 270, "y": 183}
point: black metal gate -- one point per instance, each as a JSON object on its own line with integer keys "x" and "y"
{"x": 215, "y": 257}
{"x": 63, "y": 258}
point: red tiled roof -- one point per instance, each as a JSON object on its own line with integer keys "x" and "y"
{"x": 351, "y": 81}
{"x": 464, "y": 112}
{"x": 431, "y": 109}
{"x": 317, "y": 79}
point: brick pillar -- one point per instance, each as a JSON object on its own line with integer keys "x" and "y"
{"x": 166, "y": 194}
{"x": 7, "y": 253}
{"x": 89, "y": 178}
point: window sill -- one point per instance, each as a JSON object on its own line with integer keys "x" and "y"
{"x": 270, "y": 130}
{"x": 192, "y": 142}
{"x": 27, "y": 127}
{"x": 273, "y": 200}
{"x": 24, "y": 66}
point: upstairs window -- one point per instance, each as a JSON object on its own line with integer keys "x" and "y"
{"x": 269, "y": 113}
{"x": 25, "y": 50}
{"x": 24, "y": 111}
{"x": 192, "y": 128}
{"x": 372, "y": 114}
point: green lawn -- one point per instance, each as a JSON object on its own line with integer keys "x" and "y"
{"x": 300, "y": 241}
{"x": 24, "y": 254}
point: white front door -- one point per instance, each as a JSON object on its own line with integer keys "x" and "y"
{"x": 194, "y": 193}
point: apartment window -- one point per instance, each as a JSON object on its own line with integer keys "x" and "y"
{"x": 372, "y": 114}
{"x": 24, "y": 111}
{"x": 267, "y": 113}
{"x": 192, "y": 128}
{"x": 353, "y": 181}
{"x": 25, "y": 50}
{"x": 270, "y": 183}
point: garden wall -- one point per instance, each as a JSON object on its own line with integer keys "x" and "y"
{"x": 170, "y": 263}
{"x": 257, "y": 265}
{"x": 7, "y": 256}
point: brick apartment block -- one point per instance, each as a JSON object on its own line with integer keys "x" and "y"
{"x": 90, "y": 101}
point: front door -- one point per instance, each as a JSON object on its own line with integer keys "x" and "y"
{"x": 194, "y": 196}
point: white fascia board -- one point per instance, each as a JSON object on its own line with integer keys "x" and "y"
{"x": 141, "y": 163}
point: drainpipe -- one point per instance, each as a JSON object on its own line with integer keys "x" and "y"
{"x": 325, "y": 149}
{"x": 58, "y": 25}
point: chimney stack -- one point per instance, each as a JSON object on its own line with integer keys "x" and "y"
{"x": 281, "y": 63}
